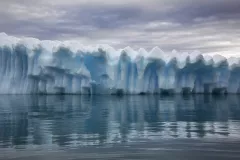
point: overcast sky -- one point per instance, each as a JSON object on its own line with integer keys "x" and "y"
{"x": 185, "y": 25}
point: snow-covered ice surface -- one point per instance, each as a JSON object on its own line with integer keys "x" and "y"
{"x": 31, "y": 66}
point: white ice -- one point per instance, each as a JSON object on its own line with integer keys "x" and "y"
{"x": 31, "y": 66}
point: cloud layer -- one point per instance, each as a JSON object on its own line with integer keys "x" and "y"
{"x": 208, "y": 26}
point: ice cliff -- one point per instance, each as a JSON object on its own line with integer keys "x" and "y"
{"x": 31, "y": 66}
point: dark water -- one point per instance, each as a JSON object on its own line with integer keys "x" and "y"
{"x": 70, "y": 122}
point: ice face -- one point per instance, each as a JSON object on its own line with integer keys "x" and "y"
{"x": 31, "y": 66}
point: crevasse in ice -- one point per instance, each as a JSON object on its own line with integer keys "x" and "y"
{"x": 31, "y": 66}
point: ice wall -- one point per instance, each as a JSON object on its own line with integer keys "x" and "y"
{"x": 31, "y": 66}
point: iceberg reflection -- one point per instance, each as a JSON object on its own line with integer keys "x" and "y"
{"x": 72, "y": 120}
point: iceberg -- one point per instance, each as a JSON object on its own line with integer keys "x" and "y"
{"x": 31, "y": 66}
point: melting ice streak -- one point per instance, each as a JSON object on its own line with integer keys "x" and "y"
{"x": 31, "y": 66}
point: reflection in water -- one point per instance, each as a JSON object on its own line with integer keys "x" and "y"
{"x": 74, "y": 120}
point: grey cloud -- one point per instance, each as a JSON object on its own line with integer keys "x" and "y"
{"x": 220, "y": 9}
{"x": 170, "y": 24}
{"x": 104, "y": 17}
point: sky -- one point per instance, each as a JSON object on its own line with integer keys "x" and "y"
{"x": 210, "y": 26}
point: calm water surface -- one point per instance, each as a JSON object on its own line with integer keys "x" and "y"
{"x": 72, "y": 121}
